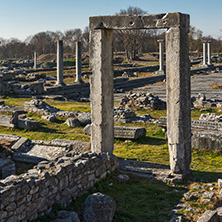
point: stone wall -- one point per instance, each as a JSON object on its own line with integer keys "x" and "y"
{"x": 26, "y": 196}
{"x": 207, "y": 140}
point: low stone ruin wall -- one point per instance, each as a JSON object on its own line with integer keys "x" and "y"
{"x": 26, "y": 196}
{"x": 206, "y": 135}
{"x": 32, "y": 88}
{"x": 207, "y": 140}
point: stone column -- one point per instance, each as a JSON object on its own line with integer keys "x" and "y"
{"x": 78, "y": 63}
{"x": 35, "y": 61}
{"x": 209, "y": 53}
{"x": 178, "y": 99}
{"x": 161, "y": 57}
{"x": 59, "y": 81}
{"x": 101, "y": 91}
{"x": 204, "y": 54}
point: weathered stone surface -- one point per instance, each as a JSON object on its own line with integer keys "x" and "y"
{"x": 40, "y": 107}
{"x": 207, "y": 140}
{"x": 26, "y": 88}
{"x": 50, "y": 118}
{"x": 138, "y": 101}
{"x": 27, "y": 158}
{"x": 73, "y": 122}
{"x": 122, "y": 132}
{"x": 8, "y": 121}
{"x": 196, "y": 124}
{"x": 101, "y": 90}
{"x": 59, "y": 81}
{"x": 84, "y": 118}
{"x": 209, "y": 216}
{"x": 211, "y": 117}
{"x": 161, "y": 57}
{"x": 178, "y": 99}
{"x": 160, "y": 21}
{"x": 28, "y": 124}
{"x": 25, "y": 196}
{"x": 99, "y": 207}
{"x": 178, "y": 81}
{"x": 21, "y": 144}
{"x": 78, "y": 63}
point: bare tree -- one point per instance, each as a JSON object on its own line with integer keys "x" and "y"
{"x": 70, "y": 37}
{"x": 131, "y": 40}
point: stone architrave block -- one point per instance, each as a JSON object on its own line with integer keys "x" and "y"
{"x": 122, "y": 132}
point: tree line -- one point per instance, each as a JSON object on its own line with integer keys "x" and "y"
{"x": 132, "y": 42}
{"x": 43, "y": 43}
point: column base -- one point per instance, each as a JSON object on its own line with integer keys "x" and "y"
{"x": 60, "y": 84}
{"x": 79, "y": 81}
{"x": 160, "y": 72}
{"x": 206, "y": 65}
{"x": 210, "y": 65}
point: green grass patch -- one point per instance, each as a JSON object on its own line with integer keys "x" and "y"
{"x": 137, "y": 200}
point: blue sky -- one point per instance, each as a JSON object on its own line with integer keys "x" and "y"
{"x": 21, "y": 18}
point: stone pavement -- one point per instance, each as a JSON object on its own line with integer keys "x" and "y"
{"x": 199, "y": 84}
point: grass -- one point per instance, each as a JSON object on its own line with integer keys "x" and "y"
{"x": 136, "y": 202}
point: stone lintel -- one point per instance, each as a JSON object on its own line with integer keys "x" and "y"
{"x": 156, "y": 21}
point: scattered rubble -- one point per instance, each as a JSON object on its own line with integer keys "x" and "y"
{"x": 138, "y": 101}
{"x": 211, "y": 117}
{"x": 202, "y": 101}
{"x": 127, "y": 116}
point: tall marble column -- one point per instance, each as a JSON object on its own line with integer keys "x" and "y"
{"x": 78, "y": 63}
{"x": 178, "y": 99}
{"x": 35, "y": 61}
{"x": 204, "y": 54}
{"x": 209, "y": 53}
{"x": 59, "y": 81}
{"x": 161, "y": 57}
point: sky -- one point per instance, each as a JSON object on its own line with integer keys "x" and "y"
{"x": 22, "y": 18}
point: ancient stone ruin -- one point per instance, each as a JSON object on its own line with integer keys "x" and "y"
{"x": 177, "y": 74}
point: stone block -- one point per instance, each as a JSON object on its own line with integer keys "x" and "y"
{"x": 99, "y": 207}
{"x": 73, "y": 122}
{"x": 209, "y": 216}
{"x": 219, "y": 183}
{"x": 28, "y": 124}
{"x": 122, "y": 132}
{"x": 165, "y": 20}
{"x": 27, "y": 159}
{"x": 21, "y": 144}
{"x": 8, "y": 121}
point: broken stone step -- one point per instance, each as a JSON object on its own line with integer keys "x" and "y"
{"x": 122, "y": 132}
